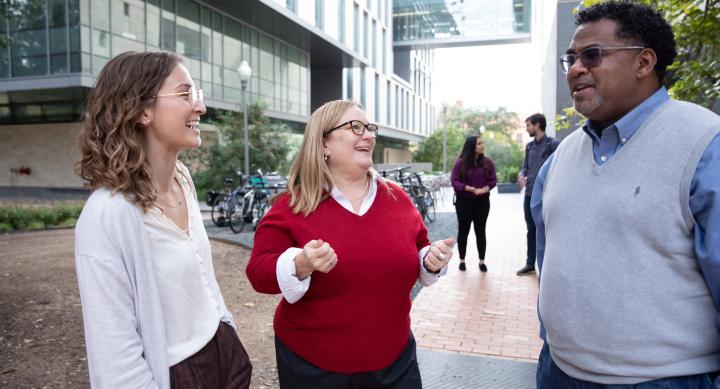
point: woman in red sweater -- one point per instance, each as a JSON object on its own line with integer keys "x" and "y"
{"x": 345, "y": 248}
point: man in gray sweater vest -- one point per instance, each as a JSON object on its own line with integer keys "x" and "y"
{"x": 627, "y": 212}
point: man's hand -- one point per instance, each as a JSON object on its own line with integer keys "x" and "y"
{"x": 521, "y": 181}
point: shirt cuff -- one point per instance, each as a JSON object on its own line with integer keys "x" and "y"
{"x": 291, "y": 287}
{"x": 426, "y": 278}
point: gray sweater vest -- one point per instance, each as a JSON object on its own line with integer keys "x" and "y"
{"x": 622, "y": 295}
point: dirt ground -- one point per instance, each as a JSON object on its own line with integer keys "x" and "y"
{"x": 41, "y": 335}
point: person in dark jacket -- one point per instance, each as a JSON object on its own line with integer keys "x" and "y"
{"x": 536, "y": 153}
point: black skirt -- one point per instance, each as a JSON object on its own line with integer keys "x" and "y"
{"x": 295, "y": 372}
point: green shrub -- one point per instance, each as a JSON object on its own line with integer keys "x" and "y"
{"x": 508, "y": 174}
{"x": 23, "y": 217}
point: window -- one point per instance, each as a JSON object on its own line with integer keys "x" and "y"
{"x": 367, "y": 35}
{"x": 388, "y": 102}
{"x": 362, "y": 87}
{"x": 349, "y": 85}
{"x": 374, "y": 44}
{"x": 291, "y": 5}
{"x": 356, "y": 36}
{"x": 384, "y": 52}
{"x": 341, "y": 21}
{"x": 319, "y": 13}
{"x": 377, "y": 98}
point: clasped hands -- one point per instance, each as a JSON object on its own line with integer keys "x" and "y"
{"x": 477, "y": 191}
{"x": 320, "y": 256}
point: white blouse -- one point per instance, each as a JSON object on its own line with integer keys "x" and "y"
{"x": 183, "y": 270}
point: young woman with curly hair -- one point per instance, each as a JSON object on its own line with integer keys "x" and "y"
{"x": 153, "y": 312}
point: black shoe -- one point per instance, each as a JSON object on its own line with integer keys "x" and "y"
{"x": 526, "y": 271}
{"x": 462, "y": 266}
{"x": 483, "y": 268}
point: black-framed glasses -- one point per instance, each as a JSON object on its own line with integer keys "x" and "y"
{"x": 357, "y": 127}
{"x": 590, "y": 56}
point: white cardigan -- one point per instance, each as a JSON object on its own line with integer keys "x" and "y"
{"x": 124, "y": 325}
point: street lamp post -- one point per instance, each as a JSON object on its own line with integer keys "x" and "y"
{"x": 244, "y": 71}
{"x": 445, "y": 121}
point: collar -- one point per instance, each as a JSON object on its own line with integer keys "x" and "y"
{"x": 366, "y": 203}
{"x": 628, "y": 125}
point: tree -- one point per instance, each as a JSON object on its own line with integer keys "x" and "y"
{"x": 695, "y": 74}
{"x": 569, "y": 119}
{"x": 459, "y": 122}
{"x": 506, "y": 155}
{"x": 431, "y": 150}
{"x": 269, "y": 147}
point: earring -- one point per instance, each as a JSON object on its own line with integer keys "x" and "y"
{"x": 326, "y": 156}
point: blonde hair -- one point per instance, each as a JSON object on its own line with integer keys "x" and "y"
{"x": 111, "y": 138}
{"x": 309, "y": 174}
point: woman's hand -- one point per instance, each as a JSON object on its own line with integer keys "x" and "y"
{"x": 439, "y": 254}
{"x": 481, "y": 191}
{"x": 316, "y": 255}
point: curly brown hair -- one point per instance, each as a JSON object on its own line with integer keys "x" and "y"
{"x": 111, "y": 137}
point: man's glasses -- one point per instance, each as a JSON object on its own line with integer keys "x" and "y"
{"x": 590, "y": 56}
{"x": 193, "y": 96}
{"x": 357, "y": 127}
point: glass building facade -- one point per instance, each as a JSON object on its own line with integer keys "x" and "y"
{"x": 302, "y": 54}
{"x": 456, "y": 21}
{"x": 43, "y": 38}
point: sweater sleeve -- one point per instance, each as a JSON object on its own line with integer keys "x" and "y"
{"x": 492, "y": 177}
{"x": 457, "y": 184}
{"x": 114, "y": 348}
{"x": 272, "y": 239}
{"x": 115, "y": 351}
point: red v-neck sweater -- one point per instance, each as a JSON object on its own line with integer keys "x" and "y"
{"x": 356, "y": 318}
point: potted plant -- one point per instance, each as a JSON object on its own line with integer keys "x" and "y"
{"x": 507, "y": 180}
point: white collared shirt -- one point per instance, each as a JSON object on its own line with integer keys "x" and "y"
{"x": 293, "y": 289}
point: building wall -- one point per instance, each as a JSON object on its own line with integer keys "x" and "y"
{"x": 565, "y": 30}
{"x": 545, "y": 39}
{"x": 211, "y": 42}
{"x": 552, "y": 32}
{"x": 47, "y": 149}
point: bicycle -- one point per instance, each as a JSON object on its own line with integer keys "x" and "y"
{"x": 222, "y": 210}
{"x": 421, "y": 196}
{"x": 219, "y": 203}
{"x": 254, "y": 204}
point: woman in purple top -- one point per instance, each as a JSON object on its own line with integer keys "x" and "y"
{"x": 473, "y": 176}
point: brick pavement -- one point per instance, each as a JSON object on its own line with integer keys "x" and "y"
{"x": 484, "y": 314}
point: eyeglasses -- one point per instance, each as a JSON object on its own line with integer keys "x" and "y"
{"x": 194, "y": 96}
{"x": 358, "y": 128}
{"x": 590, "y": 56}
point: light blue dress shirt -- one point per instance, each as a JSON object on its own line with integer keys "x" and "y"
{"x": 704, "y": 192}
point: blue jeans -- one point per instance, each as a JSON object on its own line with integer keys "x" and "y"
{"x": 549, "y": 376}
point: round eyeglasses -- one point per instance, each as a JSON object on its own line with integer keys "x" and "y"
{"x": 194, "y": 96}
{"x": 358, "y": 128}
{"x": 591, "y": 57}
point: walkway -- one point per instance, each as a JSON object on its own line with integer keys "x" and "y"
{"x": 480, "y": 330}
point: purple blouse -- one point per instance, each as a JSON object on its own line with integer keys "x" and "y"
{"x": 475, "y": 178}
